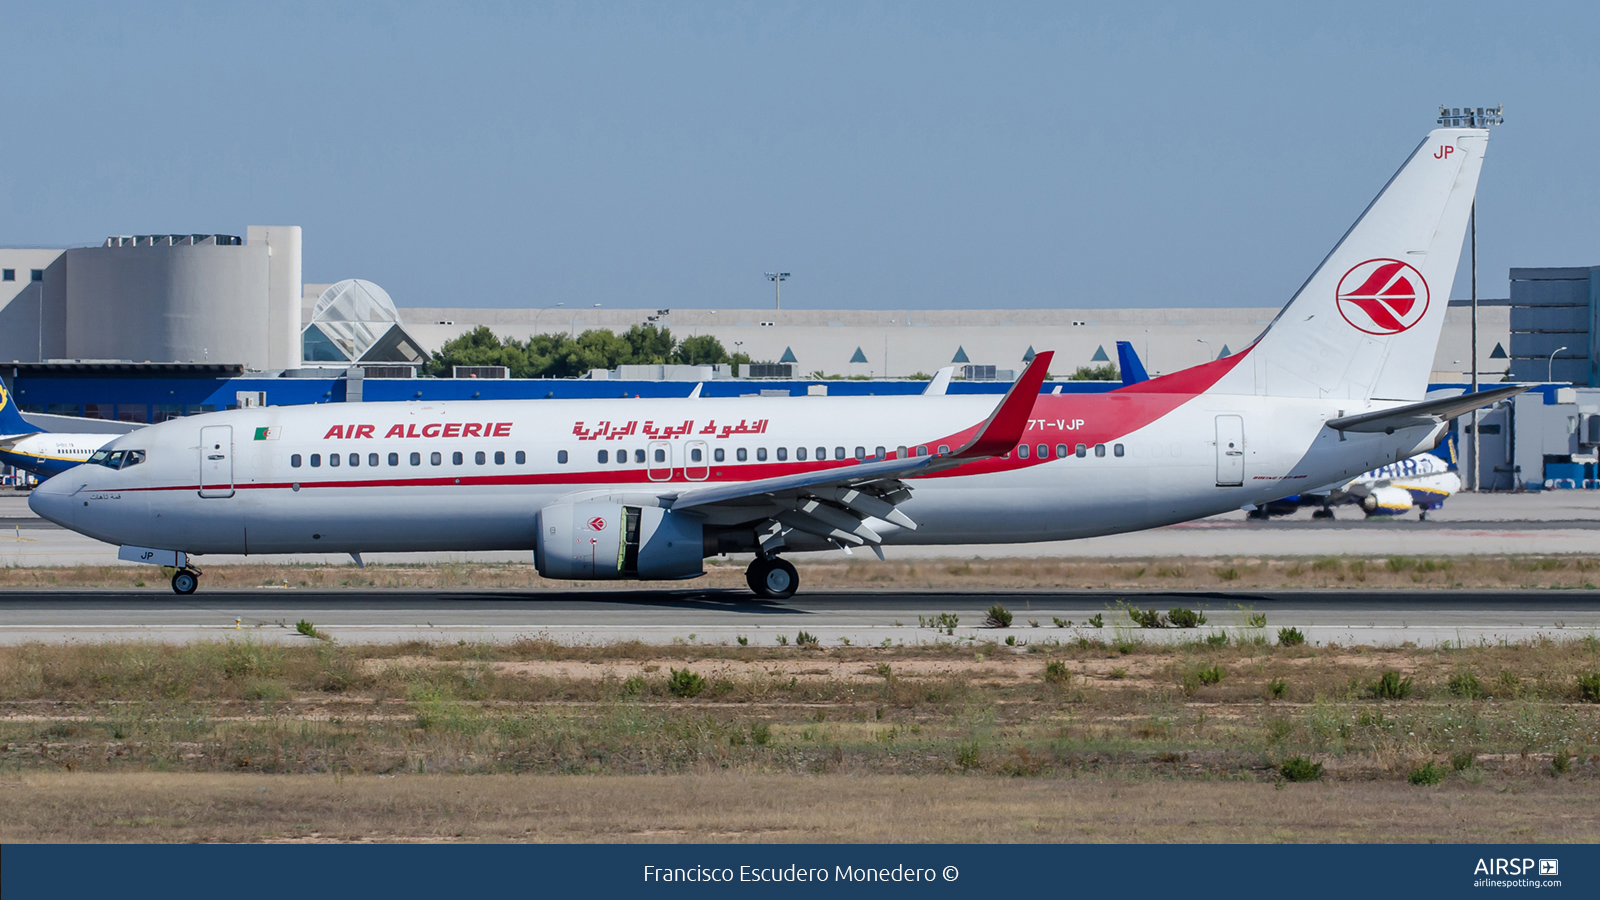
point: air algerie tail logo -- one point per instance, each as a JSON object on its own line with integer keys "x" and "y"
{"x": 1383, "y": 296}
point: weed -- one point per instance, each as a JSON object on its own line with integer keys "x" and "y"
{"x": 634, "y": 685}
{"x": 1277, "y": 687}
{"x": 761, "y": 733}
{"x": 967, "y": 756}
{"x": 1429, "y": 773}
{"x": 783, "y": 641}
{"x": 1183, "y": 617}
{"x": 1228, "y": 574}
{"x": 1061, "y": 623}
{"x": 1011, "y": 640}
{"x": 1096, "y": 621}
{"x": 999, "y": 617}
{"x": 1589, "y": 686}
{"x": 1290, "y": 637}
{"x": 1202, "y": 676}
{"x": 1147, "y": 618}
{"x": 1466, "y": 684}
{"x": 805, "y": 639}
{"x": 1561, "y": 762}
{"x": 1298, "y": 768}
{"x": 1327, "y": 564}
{"x": 945, "y": 622}
{"x": 1117, "y": 674}
{"x": 1256, "y": 620}
{"x": 1390, "y": 686}
{"x": 685, "y": 683}
{"x": 1217, "y": 640}
{"x": 1463, "y": 760}
{"x": 743, "y": 641}
{"x": 1056, "y": 672}
{"x": 1033, "y": 623}
{"x": 309, "y": 630}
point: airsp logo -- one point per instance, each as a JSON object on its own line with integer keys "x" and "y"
{"x": 1382, "y": 296}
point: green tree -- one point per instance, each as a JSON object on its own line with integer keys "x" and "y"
{"x": 478, "y": 347}
{"x": 701, "y": 350}
{"x": 1106, "y": 372}
{"x": 648, "y": 345}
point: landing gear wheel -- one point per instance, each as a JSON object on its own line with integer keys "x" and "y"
{"x": 1323, "y": 513}
{"x": 772, "y": 578}
{"x": 184, "y": 581}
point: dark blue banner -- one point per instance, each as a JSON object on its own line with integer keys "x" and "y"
{"x": 673, "y": 870}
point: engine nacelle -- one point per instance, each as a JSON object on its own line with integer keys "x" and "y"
{"x": 610, "y": 541}
{"x": 1387, "y": 501}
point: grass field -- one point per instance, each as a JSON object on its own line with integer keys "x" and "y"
{"x": 1236, "y": 738}
{"x": 1234, "y": 573}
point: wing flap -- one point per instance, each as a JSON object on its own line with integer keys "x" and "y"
{"x": 1428, "y": 412}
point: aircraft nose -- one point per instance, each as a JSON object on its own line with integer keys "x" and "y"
{"x": 53, "y": 500}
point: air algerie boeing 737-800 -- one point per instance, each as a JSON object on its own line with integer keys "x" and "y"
{"x": 646, "y": 489}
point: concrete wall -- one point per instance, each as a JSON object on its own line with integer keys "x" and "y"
{"x": 283, "y": 291}
{"x": 185, "y": 303}
{"x": 898, "y": 343}
{"x": 22, "y": 302}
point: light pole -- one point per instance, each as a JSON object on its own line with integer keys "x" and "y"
{"x": 540, "y": 313}
{"x": 777, "y": 279}
{"x": 1549, "y": 371}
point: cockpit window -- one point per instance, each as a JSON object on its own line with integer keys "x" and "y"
{"x": 117, "y": 459}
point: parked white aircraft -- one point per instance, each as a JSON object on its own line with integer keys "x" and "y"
{"x": 1424, "y": 481}
{"x": 42, "y": 453}
{"x": 631, "y": 488}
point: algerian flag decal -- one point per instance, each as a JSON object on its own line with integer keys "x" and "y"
{"x": 269, "y": 434}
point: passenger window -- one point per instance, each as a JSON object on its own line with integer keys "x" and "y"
{"x": 316, "y": 460}
{"x": 661, "y": 456}
{"x": 372, "y": 459}
{"x": 783, "y": 453}
{"x": 696, "y": 455}
{"x": 741, "y": 454}
{"x": 822, "y": 453}
{"x": 638, "y": 456}
{"x": 900, "y": 452}
{"x": 561, "y": 456}
{"x": 605, "y": 456}
{"x": 499, "y": 457}
{"x": 761, "y": 454}
{"x": 333, "y": 460}
{"x": 838, "y": 453}
{"x": 1099, "y": 449}
{"x": 1081, "y": 451}
{"x": 394, "y": 459}
{"x": 1116, "y": 449}
{"x": 943, "y": 449}
{"x": 880, "y": 453}
{"x": 622, "y": 457}
{"x": 436, "y": 458}
{"x": 1061, "y": 451}
{"x": 1022, "y": 451}
{"x": 480, "y": 458}
{"x": 455, "y": 458}
{"x": 416, "y": 459}
{"x": 861, "y": 453}
{"x": 355, "y": 459}
{"x": 1044, "y": 451}
{"x": 294, "y": 461}
{"x": 922, "y": 451}
{"x": 800, "y": 453}
{"x": 718, "y": 455}
{"x": 522, "y": 458}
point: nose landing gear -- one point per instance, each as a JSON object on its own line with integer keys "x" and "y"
{"x": 772, "y": 578}
{"x": 185, "y": 581}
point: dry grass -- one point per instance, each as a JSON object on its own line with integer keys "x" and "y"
{"x": 1234, "y": 573}
{"x": 1083, "y": 741}
{"x": 754, "y": 807}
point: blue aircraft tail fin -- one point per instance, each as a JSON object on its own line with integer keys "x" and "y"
{"x": 1132, "y": 369}
{"x": 11, "y": 421}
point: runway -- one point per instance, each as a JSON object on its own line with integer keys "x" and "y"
{"x": 1426, "y": 618}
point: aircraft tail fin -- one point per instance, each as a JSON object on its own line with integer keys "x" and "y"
{"x": 11, "y": 421}
{"x": 1366, "y": 324}
{"x": 1128, "y": 361}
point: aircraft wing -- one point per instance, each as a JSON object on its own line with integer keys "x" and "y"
{"x": 1428, "y": 412}
{"x": 833, "y": 502}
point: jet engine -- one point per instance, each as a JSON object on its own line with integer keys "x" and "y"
{"x": 606, "y": 541}
{"x": 1387, "y": 501}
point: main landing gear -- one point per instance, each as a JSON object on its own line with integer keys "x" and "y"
{"x": 772, "y": 578}
{"x": 185, "y": 580}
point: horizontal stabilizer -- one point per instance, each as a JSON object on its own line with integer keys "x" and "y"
{"x": 1428, "y": 412}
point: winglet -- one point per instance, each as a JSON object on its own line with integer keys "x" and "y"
{"x": 941, "y": 381}
{"x": 1005, "y": 426}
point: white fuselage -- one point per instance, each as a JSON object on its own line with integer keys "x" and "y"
{"x": 228, "y": 482}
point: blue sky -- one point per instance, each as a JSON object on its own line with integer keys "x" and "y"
{"x": 918, "y": 155}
